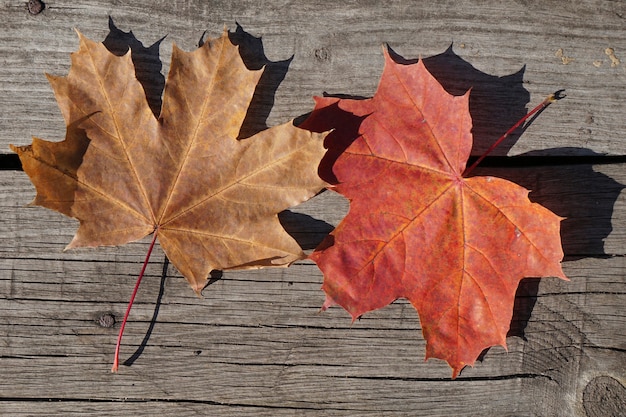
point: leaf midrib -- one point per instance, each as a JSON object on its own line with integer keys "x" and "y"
{"x": 193, "y": 139}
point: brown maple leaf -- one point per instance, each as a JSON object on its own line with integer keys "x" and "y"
{"x": 124, "y": 174}
{"x": 455, "y": 247}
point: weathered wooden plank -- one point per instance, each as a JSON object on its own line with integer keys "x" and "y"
{"x": 336, "y": 48}
{"x": 142, "y": 407}
{"x": 258, "y": 339}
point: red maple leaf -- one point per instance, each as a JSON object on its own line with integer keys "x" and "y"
{"x": 455, "y": 247}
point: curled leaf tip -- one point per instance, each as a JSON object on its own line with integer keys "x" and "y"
{"x": 557, "y": 95}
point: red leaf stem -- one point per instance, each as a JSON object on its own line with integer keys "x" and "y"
{"x": 130, "y": 303}
{"x": 551, "y": 98}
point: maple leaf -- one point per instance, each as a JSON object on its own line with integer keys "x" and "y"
{"x": 455, "y": 247}
{"x": 211, "y": 199}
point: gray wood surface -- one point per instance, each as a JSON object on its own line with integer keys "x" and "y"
{"x": 256, "y": 344}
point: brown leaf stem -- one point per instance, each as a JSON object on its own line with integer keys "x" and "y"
{"x": 130, "y": 303}
{"x": 550, "y": 99}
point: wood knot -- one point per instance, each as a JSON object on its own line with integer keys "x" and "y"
{"x": 604, "y": 396}
{"x": 35, "y": 6}
{"x": 106, "y": 320}
{"x": 322, "y": 54}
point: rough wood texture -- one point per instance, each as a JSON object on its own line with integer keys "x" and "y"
{"x": 257, "y": 344}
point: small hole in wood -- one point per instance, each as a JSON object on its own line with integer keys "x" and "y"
{"x": 35, "y": 6}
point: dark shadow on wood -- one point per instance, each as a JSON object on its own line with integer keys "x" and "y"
{"x": 10, "y": 162}
{"x": 525, "y": 299}
{"x": 214, "y": 276}
{"x": 587, "y": 214}
{"x": 253, "y": 56}
{"x": 148, "y": 68}
{"x": 147, "y": 63}
{"x": 343, "y": 127}
{"x": 306, "y": 230}
{"x": 153, "y": 320}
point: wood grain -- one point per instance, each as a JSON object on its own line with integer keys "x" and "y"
{"x": 256, "y": 344}
{"x": 259, "y": 341}
{"x": 336, "y": 48}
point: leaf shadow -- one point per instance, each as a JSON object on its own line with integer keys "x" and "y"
{"x": 153, "y": 320}
{"x": 253, "y": 56}
{"x": 525, "y": 299}
{"x": 215, "y": 276}
{"x": 343, "y": 127}
{"x": 147, "y": 62}
{"x": 572, "y": 189}
{"x": 306, "y": 230}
